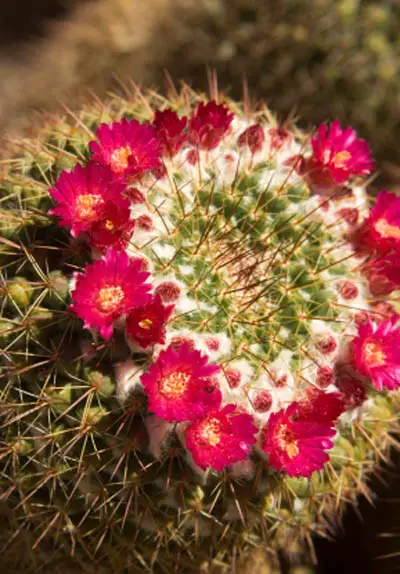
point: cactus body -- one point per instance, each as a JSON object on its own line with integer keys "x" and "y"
{"x": 198, "y": 334}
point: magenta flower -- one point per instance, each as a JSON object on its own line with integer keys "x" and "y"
{"x": 114, "y": 228}
{"x": 348, "y": 290}
{"x": 221, "y": 438}
{"x": 262, "y": 401}
{"x": 170, "y": 131}
{"x": 108, "y": 289}
{"x": 279, "y": 137}
{"x": 338, "y": 154}
{"x": 81, "y": 195}
{"x": 169, "y": 291}
{"x": 180, "y": 386}
{"x": 353, "y": 391}
{"x": 319, "y": 407}
{"x": 383, "y": 274}
{"x": 377, "y": 353}
{"x": 178, "y": 340}
{"x": 233, "y": 377}
{"x": 325, "y": 376}
{"x": 389, "y": 265}
{"x": 144, "y": 222}
{"x": 253, "y": 138}
{"x": 381, "y": 231}
{"x": 327, "y": 344}
{"x": 296, "y": 446}
{"x": 134, "y": 195}
{"x": 382, "y": 310}
{"x": 128, "y": 148}
{"x": 350, "y": 215}
{"x": 209, "y": 125}
{"x": 147, "y": 325}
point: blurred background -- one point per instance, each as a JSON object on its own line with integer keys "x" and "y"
{"x": 310, "y": 59}
{"x": 313, "y": 59}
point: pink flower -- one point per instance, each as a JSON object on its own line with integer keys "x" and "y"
{"x": 327, "y": 344}
{"x": 134, "y": 195}
{"x": 350, "y": 215}
{"x": 180, "y": 385}
{"x": 296, "y": 446}
{"x": 382, "y": 310}
{"x": 192, "y": 156}
{"x": 126, "y": 147}
{"x": 279, "y": 380}
{"x": 221, "y": 438}
{"x": 361, "y": 317}
{"x": 114, "y": 228}
{"x": 325, "y": 376}
{"x": 170, "y": 131}
{"x": 233, "y": 377}
{"x": 389, "y": 267}
{"x": 209, "y": 125}
{"x": 299, "y": 163}
{"x": 377, "y": 353}
{"x": 179, "y": 340}
{"x": 381, "y": 231}
{"x": 319, "y": 407}
{"x": 108, "y": 289}
{"x": 262, "y": 401}
{"x": 383, "y": 274}
{"x": 147, "y": 325}
{"x": 279, "y": 137}
{"x": 338, "y": 154}
{"x": 253, "y": 138}
{"x": 144, "y": 222}
{"x": 212, "y": 343}
{"x": 353, "y": 391}
{"x": 81, "y": 195}
{"x": 348, "y": 290}
{"x": 169, "y": 291}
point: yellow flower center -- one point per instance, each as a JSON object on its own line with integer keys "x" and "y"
{"x": 340, "y": 159}
{"x": 286, "y": 440}
{"x": 146, "y": 323}
{"x": 85, "y": 206}
{"x": 120, "y": 158}
{"x": 210, "y": 432}
{"x": 384, "y": 229}
{"x": 292, "y": 449}
{"x": 109, "y": 225}
{"x": 373, "y": 354}
{"x": 174, "y": 385}
{"x": 109, "y": 298}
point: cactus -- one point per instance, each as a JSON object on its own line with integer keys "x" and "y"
{"x": 198, "y": 336}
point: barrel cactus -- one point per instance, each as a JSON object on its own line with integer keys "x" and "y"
{"x": 199, "y": 350}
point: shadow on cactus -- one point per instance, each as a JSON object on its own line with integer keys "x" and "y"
{"x": 198, "y": 335}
